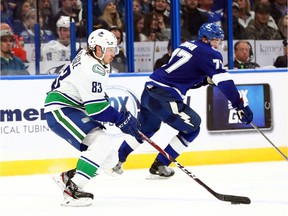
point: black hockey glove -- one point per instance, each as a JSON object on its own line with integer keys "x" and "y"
{"x": 244, "y": 113}
{"x": 207, "y": 80}
{"x": 128, "y": 124}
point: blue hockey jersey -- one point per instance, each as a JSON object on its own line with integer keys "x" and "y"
{"x": 190, "y": 64}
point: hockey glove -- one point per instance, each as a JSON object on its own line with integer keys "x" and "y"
{"x": 128, "y": 124}
{"x": 244, "y": 113}
{"x": 207, "y": 80}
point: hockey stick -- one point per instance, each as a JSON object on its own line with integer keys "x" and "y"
{"x": 256, "y": 128}
{"x": 228, "y": 198}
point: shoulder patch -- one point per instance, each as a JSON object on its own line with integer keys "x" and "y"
{"x": 98, "y": 69}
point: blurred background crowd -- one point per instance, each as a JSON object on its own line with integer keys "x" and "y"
{"x": 252, "y": 20}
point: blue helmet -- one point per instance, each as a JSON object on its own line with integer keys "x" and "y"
{"x": 210, "y": 31}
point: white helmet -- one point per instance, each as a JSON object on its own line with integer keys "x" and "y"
{"x": 102, "y": 38}
{"x": 64, "y": 21}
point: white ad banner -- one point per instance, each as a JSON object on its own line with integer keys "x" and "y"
{"x": 24, "y": 133}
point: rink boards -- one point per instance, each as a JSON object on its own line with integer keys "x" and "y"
{"x": 29, "y": 147}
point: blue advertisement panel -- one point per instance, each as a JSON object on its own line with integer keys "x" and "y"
{"x": 222, "y": 117}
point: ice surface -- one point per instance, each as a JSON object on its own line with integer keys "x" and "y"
{"x": 266, "y": 184}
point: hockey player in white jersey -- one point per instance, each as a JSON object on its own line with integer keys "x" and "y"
{"x": 60, "y": 49}
{"x": 74, "y": 107}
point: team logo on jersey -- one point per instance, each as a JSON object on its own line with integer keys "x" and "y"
{"x": 120, "y": 97}
{"x": 98, "y": 69}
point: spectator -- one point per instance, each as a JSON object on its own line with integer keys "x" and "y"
{"x": 136, "y": 6}
{"x": 283, "y": 26}
{"x": 138, "y": 28}
{"x": 281, "y": 61}
{"x": 219, "y": 6}
{"x": 271, "y": 21}
{"x": 59, "y": 50}
{"x": 278, "y": 9}
{"x": 81, "y": 24}
{"x": 243, "y": 55}
{"x": 154, "y": 30}
{"x": 193, "y": 18}
{"x": 146, "y": 6}
{"x": 23, "y": 9}
{"x": 165, "y": 58}
{"x": 32, "y": 3}
{"x": 46, "y": 11}
{"x": 150, "y": 29}
{"x": 160, "y": 7}
{"x": 205, "y": 7}
{"x": 10, "y": 64}
{"x": 6, "y": 13}
{"x": 110, "y": 16}
{"x": 77, "y": 6}
{"x": 239, "y": 32}
{"x": 119, "y": 61}
{"x": 245, "y": 13}
{"x": 28, "y": 31}
{"x": 55, "y": 6}
{"x": 20, "y": 17}
{"x": 259, "y": 29}
{"x": 67, "y": 10}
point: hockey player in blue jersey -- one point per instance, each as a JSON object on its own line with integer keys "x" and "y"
{"x": 192, "y": 65}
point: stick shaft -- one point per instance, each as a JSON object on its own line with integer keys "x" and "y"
{"x": 257, "y": 129}
{"x": 222, "y": 197}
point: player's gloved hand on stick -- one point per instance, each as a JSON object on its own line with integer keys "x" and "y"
{"x": 128, "y": 124}
{"x": 244, "y": 113}
{"x": 210, "y": 81}
{"x": 206, "y": 81}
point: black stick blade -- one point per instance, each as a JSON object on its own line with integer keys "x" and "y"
{"x": 222, "y": 197}
{"x": 233, "y": 199}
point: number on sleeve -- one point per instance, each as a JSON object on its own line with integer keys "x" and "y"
{"x": 63, "y": 75}
{"x": 218, "y": 63}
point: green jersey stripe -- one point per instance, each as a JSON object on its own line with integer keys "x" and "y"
{"x": 94, "y": 108}
{"x": 72, "y": 129}
{"x": 57, "y": 97}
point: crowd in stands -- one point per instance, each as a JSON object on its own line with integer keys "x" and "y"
{"x": 252, "y": 19}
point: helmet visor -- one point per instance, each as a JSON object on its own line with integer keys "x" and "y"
{"x": 114, "y": 50}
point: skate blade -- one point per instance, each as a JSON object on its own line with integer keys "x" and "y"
{"x": 59, "y": 182}
{"x": 81, "y": 202}
{"x": 157, "y": 177}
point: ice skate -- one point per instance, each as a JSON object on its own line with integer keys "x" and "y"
{"x": 118, "y": 168}
{"x": 74, "y": 196}
{"x": 160, "y": 171}
{"x": 62, "y": 179}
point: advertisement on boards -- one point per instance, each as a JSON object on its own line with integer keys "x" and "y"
{"x": 24, "y": 133}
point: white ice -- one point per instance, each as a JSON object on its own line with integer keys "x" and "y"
{"x": 266, "y": 184}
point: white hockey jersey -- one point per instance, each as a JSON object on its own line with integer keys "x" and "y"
{"x": 56, "y": 51}
{"x": 82, "y": 86}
